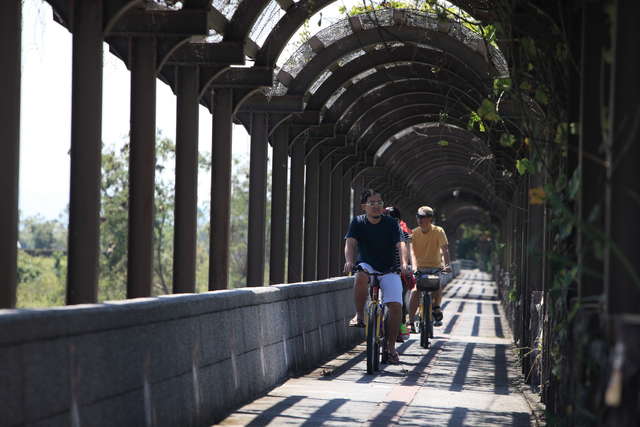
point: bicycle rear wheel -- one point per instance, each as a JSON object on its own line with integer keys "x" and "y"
{"x": 372, "y": 331}
{"x": 426, "y": 327}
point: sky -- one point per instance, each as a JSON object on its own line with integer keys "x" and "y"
{"x": 46, "y": 110}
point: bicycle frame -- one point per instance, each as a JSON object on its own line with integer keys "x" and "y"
{"x": 426, "y": 320}
{"x": 374, "y": 324}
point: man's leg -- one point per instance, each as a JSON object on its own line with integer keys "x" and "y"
{"x": 437, "y": 311}
{"x": 360, "y": 292}
{"x": 413, "y": 304}
{"x": 394, "y": 313}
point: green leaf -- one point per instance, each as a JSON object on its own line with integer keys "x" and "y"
{"x": 487, "y": 110}
{"x": 502, "y": 84}
{"x": 528, "y": 46}
{"x": 541, "y": 96}
{"x": 561, "y": 133}
{"x": 443, "y": 143}
{"x": 523, "y": 165}
{"x": 525, "y": 85}
{"x": 507, "y": 140}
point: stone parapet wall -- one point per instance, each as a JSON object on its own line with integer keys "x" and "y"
{"x": 173, "y": 360}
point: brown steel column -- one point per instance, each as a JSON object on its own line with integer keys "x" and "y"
{"x": 624, "y": 174}
{"x": 358, "y": 188}
{"x": 220, "y": 189}
{"x": 335, "y": 246}
{"x": 593, "y": 172}
{"x": 346, "y": 212}
{"x": 279, "y": 170}
{"x": 86, "y": 152}
{"x": 142, "y": 162}
{"x": 186, "y": 191}
{"x": 309, "y": 271}
{"x": 10, "y": 47}
{"x": 324, "y": 218}
{"x": 257, "y": 200}
{"x": 296, "y": 213}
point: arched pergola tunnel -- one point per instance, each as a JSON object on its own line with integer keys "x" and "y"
{"x": 377, "y": 100}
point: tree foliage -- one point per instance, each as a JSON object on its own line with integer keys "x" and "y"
{"x": 42, "y": 275}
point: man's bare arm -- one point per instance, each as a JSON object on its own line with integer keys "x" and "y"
{"x": 350, "y": 247}
{"x": 445, "y": 255}
{"x": 414, "y": 261}
{"x": 402, "y": 250}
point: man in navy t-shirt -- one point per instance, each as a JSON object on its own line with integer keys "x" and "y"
{"x": 375, "y": 238}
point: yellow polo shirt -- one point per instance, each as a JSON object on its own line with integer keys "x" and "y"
{"x": 426, "y": 246}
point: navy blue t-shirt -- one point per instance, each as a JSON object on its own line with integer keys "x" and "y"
{"x": 376, "y": 242}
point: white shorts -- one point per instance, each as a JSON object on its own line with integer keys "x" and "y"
{"x": 390, "y": 284}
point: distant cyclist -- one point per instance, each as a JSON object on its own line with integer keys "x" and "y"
{"x": 429, "y": 246}
{"x": 375, "y": 237}
{"x": 408, "y": 280}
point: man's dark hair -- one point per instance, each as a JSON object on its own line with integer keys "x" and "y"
{"x": 393, "y": 212}
{"x": 366, "y": 194}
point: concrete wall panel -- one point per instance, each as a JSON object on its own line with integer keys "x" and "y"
{"x": 174, "y": 360}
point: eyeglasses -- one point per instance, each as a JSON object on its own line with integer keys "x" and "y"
{"x": 375, "y": 203}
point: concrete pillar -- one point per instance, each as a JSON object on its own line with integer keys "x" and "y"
{"x": 296, "y": 213}
{"x": 279, "y": 169}
{"x": 335, "y": 245}
{"x": 311, "y": 217}
{"x": 220, "y": 189}
{"x": 86, "y": 153}
{"x": 142, "y": 161}
{"x": 324, "y": 219}
{"x": 257, "y": 200}
{"x": 10, "y": 47}
{"x": 186, "y": 190}
{"x": 623, "y": 210}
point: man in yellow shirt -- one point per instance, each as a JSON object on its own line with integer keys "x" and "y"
{"x": 429, "y": 246}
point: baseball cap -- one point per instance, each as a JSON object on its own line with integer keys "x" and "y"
{"x": 424, "y": 211}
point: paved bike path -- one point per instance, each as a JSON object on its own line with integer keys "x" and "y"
{"x": 468, "y": 377}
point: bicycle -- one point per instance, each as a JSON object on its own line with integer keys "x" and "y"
{"x": 374, "y": 328}
{"x": 427, "y": 281}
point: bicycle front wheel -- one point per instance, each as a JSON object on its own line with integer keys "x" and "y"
{"x": 372, "y": 342}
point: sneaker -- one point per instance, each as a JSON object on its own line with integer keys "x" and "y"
{"x": 404, "y": 333}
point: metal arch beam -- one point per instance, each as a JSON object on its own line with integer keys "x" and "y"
{"x": 355, "y": 99}
{"x": 422, "y": 62}
{"x": 382, "y": 135}
{"x": 243, "y": 19}
{"x": 425, "y": 148}
{"x": 376, "y": 119}
{"x": 295, "y": 17}
{"x": 432, "y": 164}
{"x": 431, "y": 171}
{"x": 140, "y": 22}
{"x": 402, "y": 147}
{"x": 371, "y": 84}
{"x": 300, "y": 129}
{"x": 452, "y": 174}
{"x": 286, "y": 104}
{"x": 368, "y": 110}
{"x": 328, "y": 56}
{"x": 373, "y": 98}
{"x": 443, "y": 191}
{"x": 392, "y": 66}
